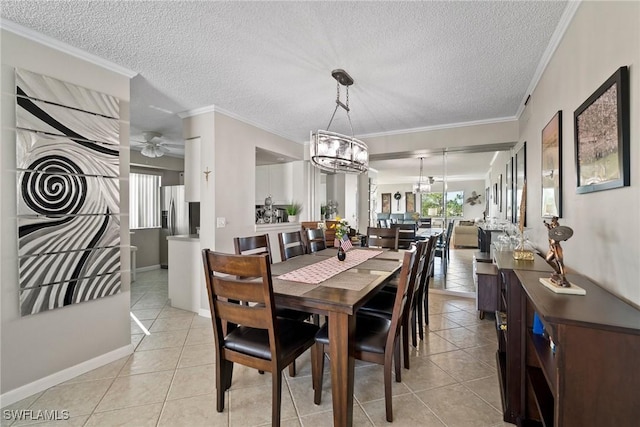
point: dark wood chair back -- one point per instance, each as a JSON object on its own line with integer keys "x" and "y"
{"x": 406, "y": 236}
{"x": 253, "y": 245}
{"x": 250, "y": 334}
{"x": 315, "y": 239}
{"x": 424, "y": 222}
{"x": 383, "y": 237}
{"x": 442, "y": 247}
{"x": 291, "y": 245}
{"x": 420, "y": 307}
{"x": 379, "y": 340}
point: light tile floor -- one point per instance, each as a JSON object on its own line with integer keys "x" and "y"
{"x": 459, "y": 272}
{"x": 170, "y": 378}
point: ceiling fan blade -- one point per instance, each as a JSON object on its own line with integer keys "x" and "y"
{"x": 168, "y": 144}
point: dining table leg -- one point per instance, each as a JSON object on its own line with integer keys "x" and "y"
{"x": 341, "y": 332}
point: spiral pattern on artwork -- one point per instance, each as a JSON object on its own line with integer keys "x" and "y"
{"x": 57, "y": 189}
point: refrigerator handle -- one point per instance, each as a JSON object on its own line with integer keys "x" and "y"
{"x": 172, "y": 218}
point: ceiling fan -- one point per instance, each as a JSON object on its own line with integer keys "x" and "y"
{"x": 153, "y": 146}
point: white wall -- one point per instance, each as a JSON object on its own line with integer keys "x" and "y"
{"x": 37, "y": 349}
{"x": 228, "y": 148}
{"x": 606, "y": 243}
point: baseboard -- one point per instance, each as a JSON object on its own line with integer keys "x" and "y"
{"x": 453, "y": 293}
{"x": 148, "y": 268}
{"x": 42, "y": 384}
{"x": 204, "y": 313}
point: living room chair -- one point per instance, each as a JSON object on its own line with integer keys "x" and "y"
{"x": 291, "y": 245}
{"x": 376, "y": 339}
{"x": 253, "y": 336}
{"x": 383, "y": 237}
{"x": 315, "y": 239}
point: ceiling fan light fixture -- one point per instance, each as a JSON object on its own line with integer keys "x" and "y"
{"x": 334, "y": 152}
{"x": 152, "y": 149}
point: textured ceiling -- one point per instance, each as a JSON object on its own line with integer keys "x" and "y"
{"x": 415, "y": 64}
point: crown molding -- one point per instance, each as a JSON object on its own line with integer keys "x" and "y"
{"x": 214, "y": 109}
{"x": 556, "y": 38}
{"x": 197, "y": 111}
{"x": 65, "y": 48}
{"x": 439, "y": 127}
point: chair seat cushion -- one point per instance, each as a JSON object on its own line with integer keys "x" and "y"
{"x": 371, "y": 333}
{"x": 255, "y": 342}
{"x": 381, "y": 304}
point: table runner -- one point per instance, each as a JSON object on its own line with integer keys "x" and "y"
{"x": 292, "y": 264}
{"x": 323, "y": 270}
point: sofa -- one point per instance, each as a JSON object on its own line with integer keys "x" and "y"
{"x": 465, "y": 234}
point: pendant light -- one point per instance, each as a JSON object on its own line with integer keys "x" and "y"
{"x": 422, "y": 186}
{"x": 334, "y": 152}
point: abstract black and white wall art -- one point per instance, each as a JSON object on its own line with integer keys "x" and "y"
{"x": 67, "y": 157}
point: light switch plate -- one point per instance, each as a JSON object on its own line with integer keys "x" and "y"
{"x": 221, "y": 222}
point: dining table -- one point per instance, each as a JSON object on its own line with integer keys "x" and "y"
{"x": 321, "y": 284}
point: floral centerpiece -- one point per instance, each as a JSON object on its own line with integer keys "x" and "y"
{"x": 341, "y": 228}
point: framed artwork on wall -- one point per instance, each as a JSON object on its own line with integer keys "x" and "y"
{"x": 552, "y": 167}
{"x": 508, "y": 186}
{"x": 602, "y": 136}
{"x": 386, "y": 202}
{"x": 410, "y": 201}
{"x": 520, "y": 176}
{"x": 495, "y": 193}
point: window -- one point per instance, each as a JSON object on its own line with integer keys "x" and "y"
{"x": 144, "y": 201}
{"x": 431, "y": 204}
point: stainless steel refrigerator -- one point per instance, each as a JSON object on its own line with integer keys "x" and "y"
{"x": 174, "y": 218}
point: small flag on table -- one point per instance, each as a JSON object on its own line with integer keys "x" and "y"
{"x": 345, "y": 241}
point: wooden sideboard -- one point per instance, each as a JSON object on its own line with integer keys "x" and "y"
{"x": 592, "y": 375}
{"x": 510, "y": 357}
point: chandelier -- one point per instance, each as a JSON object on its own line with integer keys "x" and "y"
{"x": 334, "y": 152}
{"x": 422, "y": 186}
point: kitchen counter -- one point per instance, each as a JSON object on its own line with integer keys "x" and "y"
{"x": 185, "y": 237}
{"x": 278, "y": 226}
{"x": 186, "y": 279}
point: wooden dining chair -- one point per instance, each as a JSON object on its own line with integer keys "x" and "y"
{"x": 420, "y": 307}
{"x": 315, "y": 239}
{"x": 254, "y": 336}
{"x": 406, "y": 235}
{"x": 376, "y": 339}
{"x": 253, "y": 245}
{"x": 442, "y": 248}
{"x": 382, "y": 303}
{"x": 291, "y": 245}
{"x": 259, "y": 245}
{"x": 424, "y": 222}
{"x": 383, "y": 237}
{"x": 425, "y": 299}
